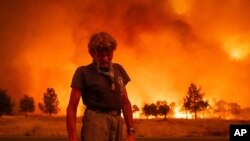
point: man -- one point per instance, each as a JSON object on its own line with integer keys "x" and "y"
{"x": 101, "y": 85}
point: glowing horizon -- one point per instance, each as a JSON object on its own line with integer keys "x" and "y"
{"x": 164, "y": 46}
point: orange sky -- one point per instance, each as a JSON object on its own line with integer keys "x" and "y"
{"x": 163, "y": 45}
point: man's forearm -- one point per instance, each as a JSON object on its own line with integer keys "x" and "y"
{"x": 71, "y": 125}
{"x": 127, "y": 113}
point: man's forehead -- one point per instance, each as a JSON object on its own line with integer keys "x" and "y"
{"x": 104, "y": 52}
{"x": 104, "y": 48}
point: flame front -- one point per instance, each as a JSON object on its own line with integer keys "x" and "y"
{"x": 163, "y": 45}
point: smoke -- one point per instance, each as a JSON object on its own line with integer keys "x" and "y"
{"x": 164, "y": 46}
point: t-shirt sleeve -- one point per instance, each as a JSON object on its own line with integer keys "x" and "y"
{"x": 78, "y": 78}
{"x": 126, "y": 78}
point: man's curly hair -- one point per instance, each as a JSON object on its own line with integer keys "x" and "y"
{"x": 101, "y": 41}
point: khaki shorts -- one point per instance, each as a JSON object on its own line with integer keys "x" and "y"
{"x": 101, "y": 127}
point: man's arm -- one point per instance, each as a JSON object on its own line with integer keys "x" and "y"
{"x": 128, "y": 117}
{"x": 71, "y": 113}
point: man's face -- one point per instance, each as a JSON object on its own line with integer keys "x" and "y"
{"x": 103, "y": 58}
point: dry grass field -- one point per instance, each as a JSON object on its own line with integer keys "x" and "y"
{"x": 55, "y": 126}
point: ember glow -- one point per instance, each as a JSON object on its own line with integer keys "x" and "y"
{"x": 163, "y": 45}
{"x": 237, "y": 48}
{"x": 179, "y": 114}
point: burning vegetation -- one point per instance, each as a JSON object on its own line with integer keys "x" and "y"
{"x": 164, "y": 46}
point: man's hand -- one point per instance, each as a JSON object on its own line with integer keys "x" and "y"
{"x": 130, "y": 137}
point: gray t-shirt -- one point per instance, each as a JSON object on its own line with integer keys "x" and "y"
{"x": 97, "y": 89}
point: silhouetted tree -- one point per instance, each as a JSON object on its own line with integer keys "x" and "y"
{"x": 193, "y": 101}
{"x": 135, "y": 109}
{"x": 221, "y": 108}
{"x": 51, "y": 102}
{"x": 26, "y": 104}
{"x": 146, "y": 110}
{"x": 6, "y": 104}
{"x": 162, "y": 108}
{"x": 153, "y": 110}
{"x": 234, "y": 108}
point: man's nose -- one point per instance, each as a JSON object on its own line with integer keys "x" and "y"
{"x": 105, "y": 58}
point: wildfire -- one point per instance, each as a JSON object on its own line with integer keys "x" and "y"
{"x": 237, "y": 47}
{"x": 181, "y": 6}
{"x": 163, "y": 45}
{"x": 180, "y": 114}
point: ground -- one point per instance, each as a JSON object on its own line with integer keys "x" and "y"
{"x": 56, "y": 126}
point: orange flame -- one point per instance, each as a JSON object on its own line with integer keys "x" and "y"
{"x": 163, "y": 45}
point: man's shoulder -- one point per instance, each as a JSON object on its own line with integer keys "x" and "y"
{"x": 117, "y": 65}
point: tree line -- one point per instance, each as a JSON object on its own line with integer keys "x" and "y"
{"x": 50, "y": 104}
{"x": 193, "y": 102}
